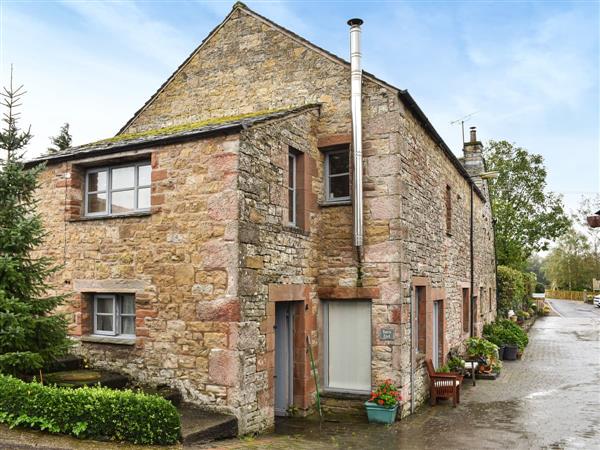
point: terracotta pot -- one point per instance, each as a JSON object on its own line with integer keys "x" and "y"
{"x": 594, "y": 221}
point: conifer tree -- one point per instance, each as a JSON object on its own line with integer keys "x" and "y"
{"x": 61, "y": 141}
{"x": 30, "y": 334}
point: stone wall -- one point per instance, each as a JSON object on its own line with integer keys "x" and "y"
{"x": 278, "y": 262}
{"x": 430, "y": 252}
{"x": 179, "y": 260}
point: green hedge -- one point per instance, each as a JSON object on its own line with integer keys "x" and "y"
{"x": 505, "y": 332}
{"x": 96, "y": 412}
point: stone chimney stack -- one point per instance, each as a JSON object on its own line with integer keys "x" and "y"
{"x": 473, "y": 157}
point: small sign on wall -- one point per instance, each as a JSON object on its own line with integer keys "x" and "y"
{"x": 386, "y": 334}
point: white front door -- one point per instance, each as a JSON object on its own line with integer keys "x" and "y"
{"x": 348, "y": 345}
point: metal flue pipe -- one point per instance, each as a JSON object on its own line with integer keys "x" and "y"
{"x": 356, "y": 104}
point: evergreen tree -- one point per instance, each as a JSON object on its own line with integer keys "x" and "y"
{"x": 61, "y": 141}
{"x": 30, "y": 335}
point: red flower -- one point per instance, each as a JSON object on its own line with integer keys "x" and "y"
{"x": 380, "y": 402}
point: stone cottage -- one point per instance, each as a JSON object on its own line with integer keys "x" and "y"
{"x": 229, "y": 226}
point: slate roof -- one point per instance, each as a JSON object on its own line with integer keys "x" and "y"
{"x": 167, "y": 135}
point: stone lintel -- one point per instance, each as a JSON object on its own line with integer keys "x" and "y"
{"x": 287, "y": 292}
{"x": 332, "y": 140}
{"x": 348, "y": 293}
{"x": 115, "y": 286}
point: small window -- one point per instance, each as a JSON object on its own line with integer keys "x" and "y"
{"x": 466, "y": 307}
{"x": 114, "y": 314}
{"x": 117, "y": 190}
{"x": 337, "y": 176}
{"x": 292, "y": 189}
{"x": 481, "y": 296}
{"x": 448, "y": 210}
{"x": 420, "y": 319}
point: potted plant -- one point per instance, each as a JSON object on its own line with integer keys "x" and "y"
{"x": 383, "y": 404}
{"x": 456, "y": 365}
{"x": 484, "y": 350}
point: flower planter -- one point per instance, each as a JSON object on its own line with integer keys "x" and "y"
{"x": 510, "y": 352}
{"x": 380, "y": 414}
{"x": 501, "y": 352}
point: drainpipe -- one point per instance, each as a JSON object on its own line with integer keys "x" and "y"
{"x": 472, "y": 322}
{"x": 356, "y": 105}
{"x": 412, "y": 348}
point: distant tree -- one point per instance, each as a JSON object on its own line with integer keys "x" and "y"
{"x": 30, "y": 335}
{"x": 569, "y": 265}
{"x": 534, "y": 265}
{"x": 61, "y": 141}
{"x": 528, "y": 216}
{"x": 588, "y": 206}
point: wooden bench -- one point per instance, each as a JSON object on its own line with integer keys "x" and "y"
{"x": 443, "y": 385}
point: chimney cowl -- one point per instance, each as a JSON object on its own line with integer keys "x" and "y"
{"x": 355, "y": 22}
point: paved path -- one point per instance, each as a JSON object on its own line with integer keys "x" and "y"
{"x": 548, "y": 400}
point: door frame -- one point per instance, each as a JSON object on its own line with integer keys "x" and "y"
{"x": 290, "y": 330}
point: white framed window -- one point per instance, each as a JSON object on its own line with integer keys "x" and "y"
{"x": 292, "y": 189}
{"x": 118, "y": 190}
{"x": 114, "y": 314}
{"x": 347, "y": 339}
{"x": 337, "y": 176}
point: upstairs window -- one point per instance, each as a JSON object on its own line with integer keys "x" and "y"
{"x": 114, "y": 314}
{"x": 337, "y": 176}
{"x": 112, "y": 191}
{"x": 292, "y": 188}
{"x": 466, "y": 310}
{"x": 448, "y": 210}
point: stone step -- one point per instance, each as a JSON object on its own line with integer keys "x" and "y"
{"x": 199, "y": 426}
{"x": 339, "y": 407}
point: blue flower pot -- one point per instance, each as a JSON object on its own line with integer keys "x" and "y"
{"x": 380, "y": 414}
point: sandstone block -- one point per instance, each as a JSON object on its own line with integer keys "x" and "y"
{"x": 184, "y": 274}
{"x": 220, "y": 310}
{"x": 224, "y": 367}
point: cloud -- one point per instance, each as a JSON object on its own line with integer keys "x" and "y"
{"x": 127, "y": 24}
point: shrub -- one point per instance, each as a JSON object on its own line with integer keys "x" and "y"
{"x": 455, "y": 364}
{"x": 506, "y": 332}
{"x": 511, "y": 289}
{"x": 95, "y": 412}
{"x": 482, "y": 348}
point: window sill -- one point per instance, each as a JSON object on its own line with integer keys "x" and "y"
{"x": 114, "y": 340}
{"x": 118, "y": 216}
{"x": 345, "y": 395}
{"x": 339, "y": 203}
{"x": 296, "y": 230}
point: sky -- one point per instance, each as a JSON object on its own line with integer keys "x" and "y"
{"x": 529, "y": 71}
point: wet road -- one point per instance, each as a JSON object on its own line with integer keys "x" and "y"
{"x": 550, "y": 399}
{"x": 574, "y": 309}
